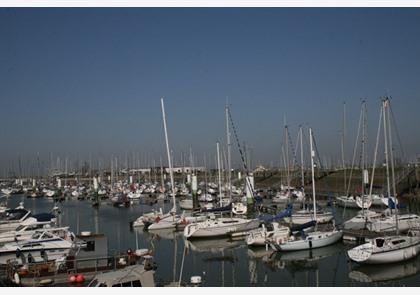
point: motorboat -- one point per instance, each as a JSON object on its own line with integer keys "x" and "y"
{"x": 14, "y": 217}
{"x": 41, "y": 247}
{"x": 137, "y": 275}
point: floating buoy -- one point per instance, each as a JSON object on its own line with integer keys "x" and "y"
{"x": 80, "y": 278}
{"x": 72, "y": 278}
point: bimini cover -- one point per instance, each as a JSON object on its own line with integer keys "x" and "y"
{"x": 42, "y": 217}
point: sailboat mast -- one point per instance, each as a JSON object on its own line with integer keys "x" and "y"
{"x": 313, "y": 174}
{"x": 218, "y": 170}
{"x": 386, "y": 147}
{"x": 343, "y": 145}
{"x": 394, "y": 190}
{"x": 363, "y": 154}
{"x": 301, "y": 158}
{"x": 228, "y": 154}
{"x": 171, "y": 174}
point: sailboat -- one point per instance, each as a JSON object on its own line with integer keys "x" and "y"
{"x": 387, "y": 249}
{"x": 301, "y": 217}
{"x": 170, "y": 219}
{"x": 222, "y": 226}
{"x": 314, "y": 239}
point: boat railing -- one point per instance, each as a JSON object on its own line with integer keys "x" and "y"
{"x": 72, "y": 265}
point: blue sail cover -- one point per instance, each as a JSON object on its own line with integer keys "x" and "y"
{"x": 391, "y": 204}
{"x": 281, "y": 215}
{"x": 43, "y": 217}
{"x": 301, "y": 227}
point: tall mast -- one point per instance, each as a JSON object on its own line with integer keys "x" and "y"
{"x": 228, "y": 153}
{"x": 386, "y": 147}
{"x": 343, "y": 145}
{"x": 394, "y": 189}
{"x": 169, "y": 156}
{"x": 301, "y": 158}
{"x": 286, "y": 133}
{"x": 363, "y": 154}
{"x": 218, "y": 169}
{"x": 313, "y": 174}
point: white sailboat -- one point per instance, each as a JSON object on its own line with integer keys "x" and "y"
{"x": 315, "y": 239}
{"x": 395, "y": 248}
{"x": 170, "y": 219}
{"x": 387, "y": 249}
{"x": 216, "y": 227}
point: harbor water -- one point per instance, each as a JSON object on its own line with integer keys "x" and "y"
{"x": 223, "y": 262}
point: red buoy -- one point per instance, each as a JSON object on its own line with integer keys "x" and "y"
{"x": 80, "y": 278}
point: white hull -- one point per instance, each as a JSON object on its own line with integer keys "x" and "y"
{"x": 302, "y": 218}
{"x": 360, "y": 220}
{"x": 166, "y": 222}
{"x": 219, "y": 227}
{"x": 405, "y": 222}
{"x": 186, "y": 204}
{"x": 311, "y": 241}
{"x": 371, "y": 254}
{"x": 51, "y": 254}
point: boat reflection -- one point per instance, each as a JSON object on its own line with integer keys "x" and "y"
{"x": 381, "y": 273}
{"x": 303, "y": 260}
{"x": 212, "y": 245}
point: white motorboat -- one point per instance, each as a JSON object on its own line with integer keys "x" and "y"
{"x": 219, "y": 227}
{"x": 6, "y": 191}
{"x": 14, "y": 217}
{"x": 42, "y": 246}
{"x": 138, "y": 275}
{"x": 387, "y": 249}
{"x": 25, "y": 232}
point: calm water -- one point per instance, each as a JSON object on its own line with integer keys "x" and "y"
{"x": 222, "y": 262}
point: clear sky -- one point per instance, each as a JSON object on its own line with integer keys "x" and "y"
{"x": 79, "y": 82}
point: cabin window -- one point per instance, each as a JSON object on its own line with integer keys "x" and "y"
{"x": 102, "y": 285}
{"x": 116, "y": 285}
{"x": 380, "y": 242}
{"x": 93, "y": 283}
{"x": 126, "y": 284}
{"x": 136, "y": 283}
{"x": 398, "y": 242}
{"x": 90, "y": 246}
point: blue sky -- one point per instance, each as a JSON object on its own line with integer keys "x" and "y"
{"x": 87, "y": 81}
